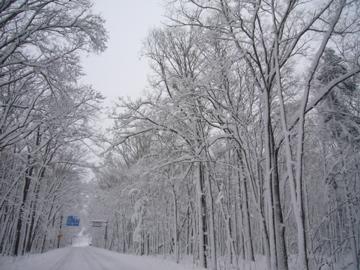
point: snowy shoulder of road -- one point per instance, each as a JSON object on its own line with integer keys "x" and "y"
{"x": 89, "y": 258}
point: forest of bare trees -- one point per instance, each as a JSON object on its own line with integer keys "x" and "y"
{"x": 45, "y": 115}
{"x": 242, "y": 153}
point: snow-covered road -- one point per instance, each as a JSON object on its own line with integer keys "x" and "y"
{"x": 87, "y": 258}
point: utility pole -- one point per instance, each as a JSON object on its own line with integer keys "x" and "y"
{"x": 60, "y": 234}
{"x": 105, "y": 236}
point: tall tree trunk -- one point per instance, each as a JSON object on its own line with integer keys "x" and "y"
{"x": 211, "y": 223}
{"x": 202, "y": 228}
{"x": 350, "y": 219}
{"x": 268, "y": 205}
{"x": 244, "y": 183}
{"x": 281, "y": 252}
{"x": 19, "y": 224}
{"x": 175, "y": 227}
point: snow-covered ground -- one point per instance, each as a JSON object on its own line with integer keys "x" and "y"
{"x": 87, "y": 258}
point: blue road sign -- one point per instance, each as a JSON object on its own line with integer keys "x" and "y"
{"x": 72, "y": 221}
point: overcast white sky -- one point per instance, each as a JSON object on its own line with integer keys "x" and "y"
{"x": 119, "y": 71}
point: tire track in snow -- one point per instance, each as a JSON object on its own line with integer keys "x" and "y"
{"x": 99, "y": 256}
{"x": 59, "y": 265}
{"x": 91, "y": 260}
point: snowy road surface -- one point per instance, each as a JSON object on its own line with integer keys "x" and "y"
{"x": 87, "y": 258}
